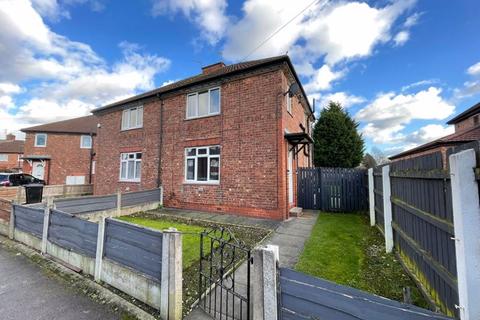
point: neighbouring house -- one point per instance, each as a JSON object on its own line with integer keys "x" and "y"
{"x": 226, "y": 140}
{"x": 11, "y": 152}
{"x": 61, "y": 152}
{"x": 467, "y": 129}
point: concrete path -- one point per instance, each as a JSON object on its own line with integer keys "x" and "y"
{"x": 27, "y": 292}
{"x": 290, "y": 236}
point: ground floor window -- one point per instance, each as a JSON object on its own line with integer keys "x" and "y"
{"x": 202, "y": 164}
{"x": 130, "y": 166}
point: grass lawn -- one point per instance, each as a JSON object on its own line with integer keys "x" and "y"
{"x": 343, "y": 248}
{"x": 191, "y": 230}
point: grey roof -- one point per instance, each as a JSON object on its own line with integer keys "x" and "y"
{"x": 224, "y": 71}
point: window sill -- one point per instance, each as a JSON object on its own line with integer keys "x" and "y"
{"x": 40, "y": 146}
{"x": 130, "y": 129}
{"x": 196, "y": 183}
{"x": 202, "y": 117}
{"x": 129, "y": 181}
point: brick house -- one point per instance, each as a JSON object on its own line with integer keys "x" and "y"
{"x": 467, "y": 129}
{"x": 226, "y": 140}
{"x": 61, "y": 152}
{"x": 11, "y": 152}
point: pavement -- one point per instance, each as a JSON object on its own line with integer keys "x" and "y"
{"x": 290, "y": 236}
{"x": 28, "y": 292}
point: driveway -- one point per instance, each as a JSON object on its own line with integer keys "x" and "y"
{"x": 28, "y": 292}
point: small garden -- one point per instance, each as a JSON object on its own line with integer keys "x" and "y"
{"x": 191, "y": 230}
{"x": 343, "y": 248}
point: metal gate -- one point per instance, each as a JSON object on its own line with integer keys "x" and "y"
{"x": 224, "y": 277}
{"x": 332, "y": 189}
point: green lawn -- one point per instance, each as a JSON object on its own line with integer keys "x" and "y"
{"x": 343, "y": 248}
{"x": 190, "y": 238}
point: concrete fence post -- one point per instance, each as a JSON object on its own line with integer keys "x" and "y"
{"x": 161, "y": 195}
{"x": 99, "y": 252}
{"x": 119, "y": 202}
{"x": 171, "y": 280}
{"x": 264, "y": 283}
{"x": 19, "y": 195}
{"x": 387, "y": 209}
{"x": 46, "y": 223}
{"x": 11, "y": 226}
{"x": 466, "y": 218}
{"x": 371, "y": 196}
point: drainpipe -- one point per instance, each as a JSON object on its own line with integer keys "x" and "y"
{"x": 92, "y": 154}
{"x": 159, "y": 178}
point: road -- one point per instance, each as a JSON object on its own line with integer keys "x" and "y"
{"x": 27, "y": 292}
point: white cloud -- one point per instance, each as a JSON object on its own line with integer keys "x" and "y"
{"x": 401, "y": 38}
{"x": 420, "y": 84}
{"x": 337, "y": 31}
{"x": 322, "y": 79}
{"x": 412, "y": 20}
{"x": 428, "y": 133}
{"x": 387, "y": 116}
{"x": 54, "y": 10}
{"x": 57, "y": 78}
{"x": 345, "y": 99}
{"x": 474, "y": 70}
{"x": 209, "y": 15}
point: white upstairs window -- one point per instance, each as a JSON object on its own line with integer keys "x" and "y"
{"x": 132, "y": 118}
{"x": 86, "y": 142}
{"x": 40, "y": 140}
{"x": 203, "y": 103}
{"x": 289, "y": 103}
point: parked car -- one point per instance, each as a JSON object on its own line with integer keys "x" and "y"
{"x": 18, "y": 179}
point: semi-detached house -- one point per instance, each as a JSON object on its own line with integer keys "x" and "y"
{"x": 227, "y": 140}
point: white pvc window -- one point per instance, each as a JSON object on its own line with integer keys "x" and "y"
{"x": 289, "y": 103}
{"x": 86, "y": 142}
{"x": 202, "y": 164}
{"x": 131, "y": 166}
{"x": 132, "y": 118}
{"x": 3, "y": 157}
{"x": 40, "y": 140}
{"x": 203, "y": 103}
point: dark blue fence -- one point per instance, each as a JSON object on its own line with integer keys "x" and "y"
{"x": 29, "y": 219}
{"x": 71, "y": 233}
{"x": 134, "y": 246}
{"x": 306, "y": 297}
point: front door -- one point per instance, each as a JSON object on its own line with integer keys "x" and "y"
{"x": 290, "y": 176}
{"x": 38, "y": 170}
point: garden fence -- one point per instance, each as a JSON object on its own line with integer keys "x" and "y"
{"x": 422, "y": 223}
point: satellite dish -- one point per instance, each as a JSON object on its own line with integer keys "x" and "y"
{"x": 294, "y": 89}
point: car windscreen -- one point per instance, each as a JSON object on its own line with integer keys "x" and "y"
{"x": 3, "y": 177}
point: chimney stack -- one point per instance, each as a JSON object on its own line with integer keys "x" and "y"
{"x": 213, "y": 67}
{"x": 10, "y": 137}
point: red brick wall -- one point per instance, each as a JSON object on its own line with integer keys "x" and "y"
{"x": 112, "y": 141}
{"x": 464, "y": 124}
{"x": 249, "y": 129}
{"x": 12, "y": 162}
{"x": 67, "y": 158}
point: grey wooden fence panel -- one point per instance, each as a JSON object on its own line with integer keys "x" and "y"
{"x": 87, "y": 204}
{"x": 378, "y": 194}
{"x": 29, "y": 219}
{"x": 332, "y": 189}
{"x": 134, "y": 198}
{"x": 307, "y": 297}
{"x": 73, "y": 233}
{"x": 422, "y": 220}
{"x": 135, "y": 247}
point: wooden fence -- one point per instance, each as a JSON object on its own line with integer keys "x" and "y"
{"x": 422, "y": 224}
{"x": 63, "y": 190}
{"x": 332, "y": 189}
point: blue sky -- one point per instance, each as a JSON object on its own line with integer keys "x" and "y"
{"x": 401, "y": 68}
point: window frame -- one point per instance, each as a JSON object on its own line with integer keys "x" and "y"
{"x": 35, "y": 142}
{"x": 208, "y": 156}
{"x": 139, "y": 179}
{"x": 81, "y": 141}
{"x": 289, "y": 103}
{"x": 125, "y": 125}
{"x": 209, "y": 114}
{"x": 4, "y": 156}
